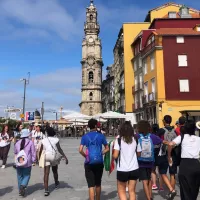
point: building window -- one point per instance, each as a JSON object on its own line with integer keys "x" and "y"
{"x": 179, "y": 39}
{"x": 91, "y": 77}
{"x": 136, "y": 83}
{"x": 172, "y": 14}
{"x": 146, "y": 92}
{"x": 91, "y": 96}
{"x": 184, "y": 85}
{"x": 182, "y": 61}
{"x": 140, "y": 80}
{"x": 152, "y": 62}
{"x": 198, "y": 28}
{"x": 91, "y": 17}
{"x": 140, "y": 62}
{"x": 145, "y": 67}
{"x": 135, "y": 65}
{"x": 153, "y": 86}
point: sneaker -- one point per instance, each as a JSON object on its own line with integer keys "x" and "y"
{"x": 154, "y": 187}
{"x": 57, "y": 184}
{"x": 161, "y": 189}
{"x": 171, "y": 195}
{"x": 46, "y": 193}
{"x": 3, "y": 167}
{"x": 22, "y": 191}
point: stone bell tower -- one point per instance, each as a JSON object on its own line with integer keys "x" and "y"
{"x": 92, "y": 64}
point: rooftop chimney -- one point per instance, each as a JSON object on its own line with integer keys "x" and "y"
{"x": 184, "y": 12}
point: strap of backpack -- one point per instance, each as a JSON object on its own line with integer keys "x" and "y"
{"x": 51, "y": 144}
{"x": 119, "y": 142}
{"x": 182, "y": 137}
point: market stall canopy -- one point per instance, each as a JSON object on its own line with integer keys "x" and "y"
{"x": 76, "y": 116}
{"x": 110, "y": 115}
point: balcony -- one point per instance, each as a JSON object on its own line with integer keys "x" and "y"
{"x": 111, "y": 99}
{"x": 121, "y": 88}
{"x": 150, "y": 47}
{"x": 151, "y": 97}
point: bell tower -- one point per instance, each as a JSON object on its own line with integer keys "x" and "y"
{"x": 92, "y": 64}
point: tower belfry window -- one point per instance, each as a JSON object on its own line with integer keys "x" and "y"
{"x": 91, "y": 77}
{"x": 91, "y": 96}
{"x": 91, "y": 17}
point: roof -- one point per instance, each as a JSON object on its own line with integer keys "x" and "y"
{"x": 176, "y": 31}
{"x": 193, "y": 15}
{"x": 165, "y": 5}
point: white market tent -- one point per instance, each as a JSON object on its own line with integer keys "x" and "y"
{"x": 110, "y": 115}
{"x": 76, "y": 116}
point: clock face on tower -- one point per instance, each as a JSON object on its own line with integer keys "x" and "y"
{"x": 90, "y": 61}
{"x": 91, "y": 40}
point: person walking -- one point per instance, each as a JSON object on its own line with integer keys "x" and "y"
{"x": 93, "y": 155}
{"x": 189, "y": 170}
{"x": 5, "y": 140}
{"x": 180, "y": 127}
{"x": 167, "y": 134}
{"x": 127, "y": 164}
{"x": 145, "y": 149}
{"x": 24, "y": 157}
{"x": 53, "y": 154}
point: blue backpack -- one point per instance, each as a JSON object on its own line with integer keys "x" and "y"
{"x": 147, "y": 154}
{"x": 94, "y": 150}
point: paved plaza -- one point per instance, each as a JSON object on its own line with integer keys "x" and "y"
{"x": 73, "y": 185}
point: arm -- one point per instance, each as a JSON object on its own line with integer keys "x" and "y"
{"x": 171, "y": 145}
{"x": 105, "y": 150}
{"x": 81, "y": 151}
{"x": 33, "y": 153}
{"x": 61, "y": 152}
{"x": 115, "y": 154}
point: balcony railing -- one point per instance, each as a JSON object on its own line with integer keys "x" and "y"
{"x": 121, "y": 87}
{"x": 148, "y": 47}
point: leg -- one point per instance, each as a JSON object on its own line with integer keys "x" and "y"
{"x": 167, "y": 182}
{"x": 26, "y": 176}
{"x": 150, "y": 188}
{"x": 46, "y": 177}
{"x": 131, "y": 189}
{"x": 19, "y": 177}
{"x": 173, "y": 181}
{"x": 153, "y": 175}
{"x": 146, "y": 189}
{"x": 160, "y": 182}
{"x": 5, "y": 154}
{"x": 98, "y": 192}
{"x": 55, "y": 174}
{"x": 121, "y": 187}
{"x": 172, "y": 172}
{"x": 91, "y": 193}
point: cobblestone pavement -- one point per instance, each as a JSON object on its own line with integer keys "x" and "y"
{"x": 73, "y": 184}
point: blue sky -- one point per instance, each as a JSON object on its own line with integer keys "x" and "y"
{"x": 44, "y": 37}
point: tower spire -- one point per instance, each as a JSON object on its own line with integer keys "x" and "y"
{"x": 91, "y": 2}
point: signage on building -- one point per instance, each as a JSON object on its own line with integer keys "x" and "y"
{"x": 13, "y": 110}
{"x": 13, "y": 116}
{"x": 30, "y": 116}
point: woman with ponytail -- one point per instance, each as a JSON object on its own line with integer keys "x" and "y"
{"x": 26, "y": 148}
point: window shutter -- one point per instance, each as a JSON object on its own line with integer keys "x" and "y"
{"x": 182, "y": 61}
{"x": 180, "y": 39}
{"x": 184, "y": 85}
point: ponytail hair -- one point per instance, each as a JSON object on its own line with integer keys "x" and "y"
{"x": 22, "y": 144}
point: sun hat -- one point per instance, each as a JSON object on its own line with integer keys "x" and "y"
{"x": 25, "y": 133}
{"x": 198, "y": 124}
{"x": 37, "y": 124}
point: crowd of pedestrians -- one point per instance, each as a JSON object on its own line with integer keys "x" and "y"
{"x": 145, "y": 154}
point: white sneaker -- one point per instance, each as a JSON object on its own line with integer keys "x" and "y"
{"x": 3, "y": 167}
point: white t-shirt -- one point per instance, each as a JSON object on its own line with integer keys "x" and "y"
{"x": 190, "y": 146}
{"x": 128, "y": 157}
{"x": 49, "y": 142}
{"x": 37, "y": 136}
{"x": 3, "y": 138}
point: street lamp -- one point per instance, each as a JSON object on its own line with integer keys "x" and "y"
{"x": 26, "y": 82}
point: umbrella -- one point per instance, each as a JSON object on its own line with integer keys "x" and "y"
{"x": 76, "y": 115}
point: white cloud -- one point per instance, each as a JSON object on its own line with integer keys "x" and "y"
{"x": 37, "y": 18}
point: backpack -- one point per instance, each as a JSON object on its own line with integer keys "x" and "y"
{"x": 169, "y": 136}
{"x": 119, "y": 142}
{"x": 147, "y": 146}
{"x": 21, "y": 158}
{"x": 94, "y": 151}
